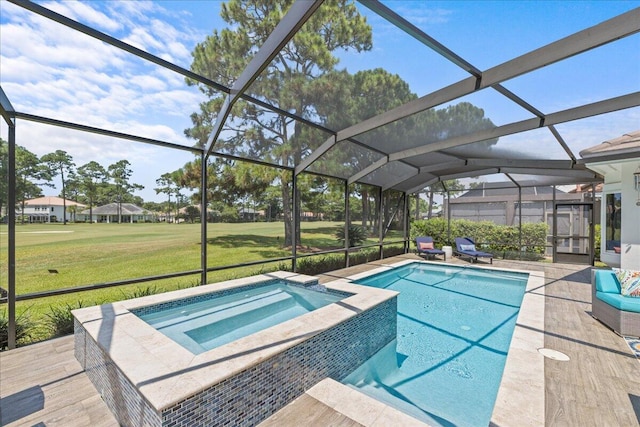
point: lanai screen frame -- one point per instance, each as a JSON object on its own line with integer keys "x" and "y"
{"x": 564, "y": 171}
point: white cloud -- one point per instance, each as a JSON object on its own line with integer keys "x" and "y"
{"x": 53, "y": 71}
{"x": 424, "y": 16}
{"x": 84, "y": 13}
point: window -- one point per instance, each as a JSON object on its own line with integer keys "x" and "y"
{"x": 613, "y": 222}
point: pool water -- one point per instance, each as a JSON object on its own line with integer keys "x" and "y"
{"x": 202, "y": 325}
{"x": 454, "y": 329}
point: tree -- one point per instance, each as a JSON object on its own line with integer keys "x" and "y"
{"x": 167, "y": 185}
{"x": 59, "y": 163}
{"x": 120, "y": 173}
{"x": 191, "y": 213}
{"x": 292, "y": 82}
{"x": 28, "y": 169}
{"x": 92, "y": 177}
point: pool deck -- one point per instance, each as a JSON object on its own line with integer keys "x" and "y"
{"x": 44, "y": 385}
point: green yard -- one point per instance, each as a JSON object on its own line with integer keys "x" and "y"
{"x": 84, "y": 254}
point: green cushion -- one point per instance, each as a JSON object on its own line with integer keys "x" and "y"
{"x": 606, "y": 281}
{"x": 620, "y": 302}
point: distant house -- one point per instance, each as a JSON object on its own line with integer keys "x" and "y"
{"x": 211, "y": 214}
{"x": 493, "y": 202}
{"x": 48, "y": 209}
{"x": 118, "y": 212}
{"x": 249, "y": 214}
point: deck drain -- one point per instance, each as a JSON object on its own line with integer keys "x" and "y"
{"x": 554, "y": 354}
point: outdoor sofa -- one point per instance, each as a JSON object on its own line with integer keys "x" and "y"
{"x": 426, "y": 247}
{"x": 608, "y": 304}
{"x": 466, "y": 248}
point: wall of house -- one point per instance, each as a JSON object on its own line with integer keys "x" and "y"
{"x": 630, "y": 249}
{"x": 45, "y": 212}
{"x": 619, "y": 179}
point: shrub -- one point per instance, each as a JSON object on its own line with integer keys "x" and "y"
{"x": 393, "y": 251}
{"x": 142, "y": 292}
{"x": 357, "y": 235}
{"x": 60, "y": 320}
{"x": 597, "y": 241}
{"x": 318, "y": 264}
{"x": 24, "y": 325}
{"x": 364, "y": 256}
{"x": 314, "y": 265}
{"x": 491, "y": 237}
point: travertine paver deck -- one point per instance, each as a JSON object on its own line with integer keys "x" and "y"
{"x": 43, "y": 384}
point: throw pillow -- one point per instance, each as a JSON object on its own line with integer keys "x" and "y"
{"x": 468, "y": 248}
{"x": 424, "y": 245}
{"x": 629, "y": 282}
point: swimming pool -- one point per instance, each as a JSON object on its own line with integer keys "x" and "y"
{"x": 146, "y": 378}
{"x": 201, "y": 324}
{"x": 454, "y": 329}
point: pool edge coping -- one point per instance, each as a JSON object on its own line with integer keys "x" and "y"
{"x": 150, "y": 360}
{"x": 524, "y": 367}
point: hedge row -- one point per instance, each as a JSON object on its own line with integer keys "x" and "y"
{"x": 313, "y": 265}
{"x": 502, "y": 240}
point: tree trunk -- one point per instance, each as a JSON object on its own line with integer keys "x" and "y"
{"x": 365, "y": 209}
{"x": 286, "y": 208}
{"x": 64, "y": 198}
{"x": 430, "y": 211}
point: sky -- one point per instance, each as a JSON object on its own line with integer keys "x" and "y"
{"x": 49, "y": 70}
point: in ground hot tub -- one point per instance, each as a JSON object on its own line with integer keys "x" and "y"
{"x": 205, "y": 322}
{"x": 227, "y": 377}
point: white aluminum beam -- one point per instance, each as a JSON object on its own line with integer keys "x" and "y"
{"x": 442, "y": 166}
{"x": 542, "y": 164}
{"x": 597, "y": 108}
{"x": 418, "y": 187}
{"x": 306, "y": 162}
{"x": 573, "y": 173}
{"x": 562, "y": 143}
{"x": 391, "y": 184}
{"x": 419, "y": 35}
{"x": 221, "y": 119}
{"x": 613, "y": 29}
{"x": 442, "y": 178}
{"x": 296, "y": 16}
{"x": 366, "y": 171}
{"x": 6, "y": 109}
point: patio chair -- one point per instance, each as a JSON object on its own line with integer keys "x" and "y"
{"x": 466, "y": 248}
{"x": 425, "y": 247}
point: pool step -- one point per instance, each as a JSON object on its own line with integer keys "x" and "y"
{"x": 233, "y": 319}
{"x": 178, "y": 315}
{"x": 202, "y": 326}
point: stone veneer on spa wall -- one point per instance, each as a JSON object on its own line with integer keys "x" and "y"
{"x": 284, "y": 361}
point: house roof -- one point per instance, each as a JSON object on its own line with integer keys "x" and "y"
{"x": 487, "y": 189}
{"x": 53, "y": 201}
{"x": 112, "y": 209}
{"x": 627, "y": 145}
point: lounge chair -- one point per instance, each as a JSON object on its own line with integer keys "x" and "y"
{"x": 425, "y": 247}
{"x": 466, "y": 248}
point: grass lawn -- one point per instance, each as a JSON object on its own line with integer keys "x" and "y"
{"x": 84, "y": 254}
